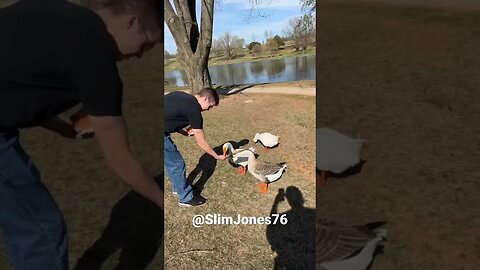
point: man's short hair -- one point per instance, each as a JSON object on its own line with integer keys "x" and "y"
{"x": 211, "y": 94}
{"x": 149, "y": 11}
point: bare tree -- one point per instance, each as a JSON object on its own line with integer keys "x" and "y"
{"x": 309, "y": 6}
{"x": 308, "y": 28}
{"x": 271, "y": 46}
{"x": 256, "y": 49}
{"x": 193, "y": 42}
{"x": 267, "y": 37}
{"x": 230, "y": 44}
{"x": 301, "y": 30}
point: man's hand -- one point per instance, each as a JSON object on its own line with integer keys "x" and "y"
{"x": 221, "y": 157}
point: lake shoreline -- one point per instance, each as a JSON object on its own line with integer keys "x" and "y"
{"x": 248, "y": 60}
{"x": 304, "y": 87}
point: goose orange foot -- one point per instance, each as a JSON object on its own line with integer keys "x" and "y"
{"x": 263, "y": 188}
{"x": 243, "y": 171}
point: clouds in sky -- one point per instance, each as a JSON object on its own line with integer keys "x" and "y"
{"x": 236, "y": 17}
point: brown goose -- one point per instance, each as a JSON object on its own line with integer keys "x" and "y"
{"x": 264, "y": 171}
{"x": 346, "y": 247}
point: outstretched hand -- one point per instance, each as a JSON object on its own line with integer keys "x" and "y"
{"x": 221, "y": 157}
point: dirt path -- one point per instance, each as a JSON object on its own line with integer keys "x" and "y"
{"x": 306, "y": 88}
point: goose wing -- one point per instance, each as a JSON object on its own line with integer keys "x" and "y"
{"x": 266, "y": 168}
{"x": 336, "y": 242}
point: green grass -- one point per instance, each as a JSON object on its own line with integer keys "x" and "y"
{"x": 170, "y": 88}
{"x": 228, "y": 194}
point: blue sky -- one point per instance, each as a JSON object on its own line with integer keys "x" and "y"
{"x": 233, "y": 16}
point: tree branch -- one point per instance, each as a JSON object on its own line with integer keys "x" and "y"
{"x": 177, "y": 30}
{"x": 205, "y": 41}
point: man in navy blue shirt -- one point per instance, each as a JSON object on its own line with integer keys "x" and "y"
{"x": 184, "y": 110}
{"x": 54, "y": 55}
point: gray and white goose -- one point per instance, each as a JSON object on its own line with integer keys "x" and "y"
{"x": 266, "y": 172}
{"x": 342, "y": 247}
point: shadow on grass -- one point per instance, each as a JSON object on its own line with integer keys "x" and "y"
{"x": 206, "y": 166}
{"x": 265, "y": 148}
{"x": 349, "y": 172}
{"x": 227, "y": 90}
{"x": 135, "y": 228}
{"x": 293, "y": 242}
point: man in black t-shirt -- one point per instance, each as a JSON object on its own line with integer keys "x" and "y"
{"x": 53, "y": 55}
{"x": 182, "y": 110}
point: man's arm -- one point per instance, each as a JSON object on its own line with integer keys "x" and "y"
{"x": 203, "y": 144}
{"x": 112, "y": 136}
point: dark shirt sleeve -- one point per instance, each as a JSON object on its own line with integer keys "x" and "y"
{"x": 195, "y": 118}
{"x": 95, "y": 75}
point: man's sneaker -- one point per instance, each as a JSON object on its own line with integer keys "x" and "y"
{"x": 196, "y": 201}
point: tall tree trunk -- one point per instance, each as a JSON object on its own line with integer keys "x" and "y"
{"x": 193, "y": 43}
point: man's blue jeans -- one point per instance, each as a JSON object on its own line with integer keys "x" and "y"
{"x": 32, "y": 224}
{"x": 176, "y": 170}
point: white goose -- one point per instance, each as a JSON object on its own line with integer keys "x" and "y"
{"x": 264, "y": 171}
{"x": 268, "y": 140}
{"x": 336, "y": 152}
{"x": 237, "y": 157}
{"x": 346, "y": 247}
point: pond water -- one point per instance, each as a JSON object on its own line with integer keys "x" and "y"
{"x": 266, "y": 71}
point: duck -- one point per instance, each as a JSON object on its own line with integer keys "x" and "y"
{"x": 268, "y": 140}
{"x": 341, "y": 247}
{"x": 266, "y": 172}
{"x": 335, "y": 152}
{"x": 237, "y": 157}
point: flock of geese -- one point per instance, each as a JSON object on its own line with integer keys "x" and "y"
{"x": 341, "y": 247}
{"x": 265, "y": 172}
